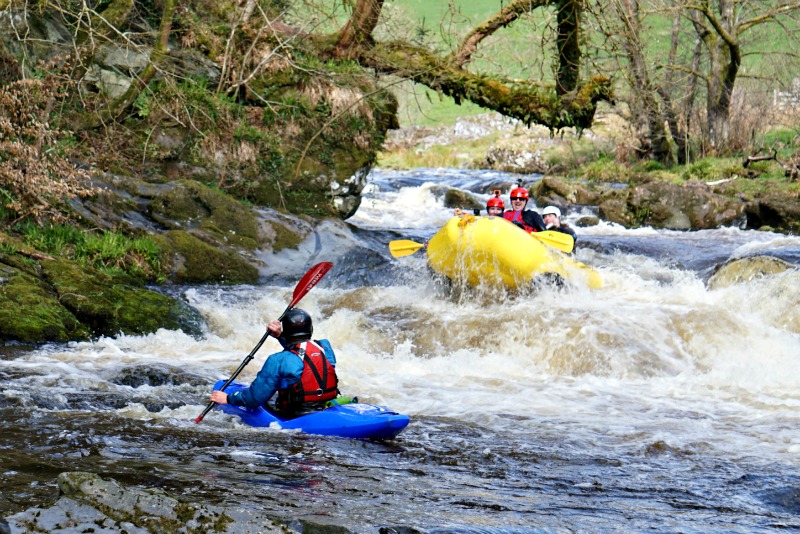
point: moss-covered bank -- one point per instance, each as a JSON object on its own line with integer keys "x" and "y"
{"x": 52, "y": 299}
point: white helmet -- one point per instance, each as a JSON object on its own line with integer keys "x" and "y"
{"x": 552, "y": 209}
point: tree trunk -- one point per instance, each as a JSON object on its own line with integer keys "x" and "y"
{"x": 645, "y": 106}
{"x": 571, "y": 105}
{"x": 358, "y": 30}
{"x": 569, "y": 50}
{"x": 724, "y": 68}
{"x": 527, "y": 101}
{"x": 720, "y": 34}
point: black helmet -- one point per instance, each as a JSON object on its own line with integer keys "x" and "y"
{"x": 296, "y": 326}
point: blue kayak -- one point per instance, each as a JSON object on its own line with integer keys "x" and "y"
{"x": 355, "y": 420}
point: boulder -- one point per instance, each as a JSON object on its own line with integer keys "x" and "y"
{"x": 672, "y": 206}
{"x": 50, "y": 299}
{"x": 454, "y": 198}
{"x": 586, "y": 221}
{"x": 743, "y": 270}
{"x": 30, "y": 312}
{"x": 559, "y": 192}
{"x": 194, "y": 261}
{"x": 516, "y": 159}
{"x": 88, "y": 503}
{"x": 190, "y": 205}
{"x": 774, "y": 212}
{"x": 111, "y": 304}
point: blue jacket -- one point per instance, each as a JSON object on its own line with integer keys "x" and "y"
{"x": 280, "y": 371}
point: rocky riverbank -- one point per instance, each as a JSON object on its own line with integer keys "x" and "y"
{"x": 203, "y": 235}
{"x": 590, "y": 170}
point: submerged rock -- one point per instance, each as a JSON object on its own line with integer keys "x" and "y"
{"x": 746, "y": 269}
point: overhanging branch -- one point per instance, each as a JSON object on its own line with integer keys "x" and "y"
{"x": 527, "y": 101}
{"x": 506, "y": 16}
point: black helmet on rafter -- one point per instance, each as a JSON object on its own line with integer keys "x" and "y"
{"x": 296, "y": 326}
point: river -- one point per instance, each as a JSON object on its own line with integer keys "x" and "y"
{"x": 652, "y": 404}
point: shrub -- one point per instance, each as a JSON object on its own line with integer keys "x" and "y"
{"x": 35, "y": 172}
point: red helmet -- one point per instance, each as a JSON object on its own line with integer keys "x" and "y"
{"x": 519, "y": 192}
{"x": 495, "y": 202}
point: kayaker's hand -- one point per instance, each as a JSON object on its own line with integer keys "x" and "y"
{"x": 275, "y": 328}
{"x": 220, "y": 397}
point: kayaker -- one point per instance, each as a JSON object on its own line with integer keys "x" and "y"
{"x": 552, "y": 220}
{"x": 528, "y": 220}
{"x": 303, "y": 374}
{"x": 495, "y": 206}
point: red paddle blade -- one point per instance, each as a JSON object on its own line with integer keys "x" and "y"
{"x": 311, "y": 278}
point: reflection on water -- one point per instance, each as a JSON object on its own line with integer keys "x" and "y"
{"x": 651, "y": 404}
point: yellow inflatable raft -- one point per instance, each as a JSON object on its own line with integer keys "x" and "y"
{"x": 492, "y": 250}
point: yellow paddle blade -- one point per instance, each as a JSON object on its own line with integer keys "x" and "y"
{"x": 557, "y": 240}
{"x": 403, "y": 247}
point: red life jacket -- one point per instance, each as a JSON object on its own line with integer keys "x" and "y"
{"x": 516, "y": 218}
{"x": 317, "y": 383}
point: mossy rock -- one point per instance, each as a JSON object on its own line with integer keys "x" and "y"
{"x": 560, "y": 192}
{"x": 196, "y": 262}
{"x": 285, "y": 237}
{"x": 109, "y": 305}
{"x": 31, "y": 313}
{"x": 192, "y": 205}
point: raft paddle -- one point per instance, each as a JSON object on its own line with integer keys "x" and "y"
{"x": 403, "y": 247}
{"x": 557, "y": 240}
{"x": 309, "y": 280}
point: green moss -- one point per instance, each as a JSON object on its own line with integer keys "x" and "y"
{"x": 108, "y": 305}
{"x": 200, "y": 263}
{"x": 284, "y": 237}
{"x": 305, "y": 202}
{"x": 700, "y": 170}
{"x": 31, "y": 313}
{"x": 14, "y": 259}
{"x": 605, "y": 169}
{"x": 193, "y": 205}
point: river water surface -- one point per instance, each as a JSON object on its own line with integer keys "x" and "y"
{"x": 652, "y": 404}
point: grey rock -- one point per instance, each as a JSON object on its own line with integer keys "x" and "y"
{"x": 743, "y": 270}
{"x": 89, "y": 503}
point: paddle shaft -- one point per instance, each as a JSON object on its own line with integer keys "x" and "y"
{"x": 235, "y": 374}
{"x": 244, "y": 363}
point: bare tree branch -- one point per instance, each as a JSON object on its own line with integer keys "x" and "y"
{"x": 506, "y": 16}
